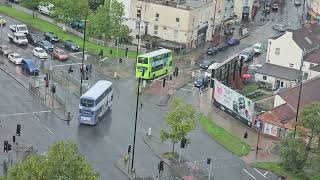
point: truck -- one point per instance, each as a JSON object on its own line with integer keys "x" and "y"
{"x": 18, "y": 38}
{"x": 19, "y": 28}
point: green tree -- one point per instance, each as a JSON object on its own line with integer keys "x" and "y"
{"x": 292, "y": 153}
{"x": 180, "y": 121}
{"x": 32, "y": 4}
{"x": 94, "y": 4}
{"x": 63, "y": 161}
{"x": 68, "y": 10}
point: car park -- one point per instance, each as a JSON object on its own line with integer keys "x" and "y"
{"x": 5, "y": 50}
{"x": 51, "y": 37}
{"x": 222, "y": 47}
{"x": 204, "y": 64}
{"x": 280, "y": 27}
{"x": 34, "y": 38}
{"x": 15, "y": 58}
{"x": 247, "y": 54}
{"x": 3, "y": 22}
{"x": 257, "y": 48}
{"x": 29, "y": 67}
{"x": 46, "y": 45}
{"x": 40, "y": 53}
{"x": 233, "y": 42}
{"x": 59, "y": 54}
{"x": 201, "y": 82}
{"x": 212, "y": 51}
{"x": 70, "y": 45}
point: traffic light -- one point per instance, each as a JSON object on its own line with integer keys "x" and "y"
{"x": 53, "y": 89}
{"x": 245, "y": 135}
{"x": 183, "y": 143}
{"x": 5, "y": 146}
{"x": 14, "y": 139}
{"x": 18, "y": 130}
{"x": 160, "y": 166}
{"x": 47, "y": 83}
{"x": 46, "y": 77}
{"x": 170, "y": 77}
{"x": 176, "y": 70}
{"x": 70, "y": 70}
{"x": 208, "y": 160}
{"x": 127, "y": 49}
{"x": 164, "y": 82}
{"x": 129, "y": 148}
{"x": 110, "y": 51}
{"x": 120, "y": 60}
{"x": 9, "y": 147}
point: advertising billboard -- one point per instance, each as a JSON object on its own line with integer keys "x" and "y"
{"x": 240, "y": 106}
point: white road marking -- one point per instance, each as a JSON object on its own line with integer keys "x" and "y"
{"x": 36, "y": 117}
{"x": 260, "y": 173}
{"x": 43, "y": 125}
{"x": 49, "y": 130}
{"x": 19, "y": 114}
{"x": 249, "y": 173}
{"x": 187, "y": 90}
{"x": 266, "y": 173}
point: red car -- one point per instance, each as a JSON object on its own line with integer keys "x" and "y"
{"x": 60, "y": 54}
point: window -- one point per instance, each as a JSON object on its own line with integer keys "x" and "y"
{"x": 175, "y": 35}
{"x": 277, "y": 52}
{"x": 177, "y": 20}
{"x": 157, "y": 17}
{"x": 103, "y": 95}
{"x": 164, "y": 28}
{"x": 155, "y": 30}
{"x": 264, "y": 77}
{"x": 137, "y": 25}
{"x": 291, "y": 65}
{"x": 143, "y": 60}
{"x": 281, "y": 84}
{"x": 87, "y": 102}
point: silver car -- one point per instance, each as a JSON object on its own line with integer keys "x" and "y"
{"x": 280, "y": 27}
{"x": 5, "y": 50}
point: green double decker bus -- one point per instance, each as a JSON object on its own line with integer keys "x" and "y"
{"x": 154, "y": 64}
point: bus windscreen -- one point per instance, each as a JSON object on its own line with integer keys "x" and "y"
{"x": 87, "y": 102}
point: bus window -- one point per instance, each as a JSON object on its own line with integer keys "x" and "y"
{"x": 170, "y": 63}
{"x": 156, "y": 68}
{"x": 143, "y": 60}
{"x": 87, "y": 102}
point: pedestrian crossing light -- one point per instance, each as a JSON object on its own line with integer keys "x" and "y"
{"x": 160, "y": 166}
{"x": 208, "y": 160}
{"x": 53, "y": 89}
{"x": 70, "y": 70}
{"x": 129, "y": 148}
{"x": 18, "y": 130}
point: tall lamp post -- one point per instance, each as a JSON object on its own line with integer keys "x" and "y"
{"x": 138, "y": 93}
{"x": 82, "y": 61}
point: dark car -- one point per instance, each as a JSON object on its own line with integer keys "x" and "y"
{"x": 233, "y": 42}
{"x": 34, "y": 38}
{"x": 212, "y": 51}
{"x": 46, "y": 45}
{"x": 71, "y": 46}
{"x": 201, "y": 82}
{"x": 204, "y": 64}
{"x": 50, "y": 36}
{"x": 28, "y": 66}
{"x": 222, "y": 47}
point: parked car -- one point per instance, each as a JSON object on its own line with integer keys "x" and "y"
{"x": 34, "y": 38}
{"x": 201, "y": 82}
{"x": 46, "y": 45}
{"x": 45, "y": 8}
{"x": 204, "y": 64}
{"x": 70, "y": 45}
{"x": 50, "y": 36}
{"x": 40, "y": 53}
{"x": 247, "y": 54}
{"x": 280, "y": 27}
{"x": 233, "y": 42}
{"x": 29, "y": 67}
{"x": 3, "y": 22}
{"x": 212, "y": 51}
{"x": 59, "y": 54}
{"x": 15, "y": 58}
{"x": 15, "y": 1}
{"x": 222, "y": 47}
{"x": 257, "y": 48}
{"x": 297, "y": 2}
{"x": 4, "y": 50}
{"x": 77, "y": 24}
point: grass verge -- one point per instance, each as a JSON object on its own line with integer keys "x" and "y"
{"x": 230, "y": 142}
{"x": 250, "y": 88}
{"x": 46, "y": 26}
{"x": 275, "y": 168}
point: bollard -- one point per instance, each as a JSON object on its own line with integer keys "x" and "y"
{"x": 144, "y": 83}
{"x": 115, "y": 74}
{"x": 192, "y": 74}
{"x": 149, "y": 132}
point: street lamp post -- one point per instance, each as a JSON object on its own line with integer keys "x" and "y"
{"x": 82, "y": 61}
{"x": 138, "y": 94}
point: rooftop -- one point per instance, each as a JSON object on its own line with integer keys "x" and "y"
{"x": 307, "y": 37}
{"x": 279, "y": 71}
{"x": 156, "y": 52}
{"x": 313, "y": 57}
{"x": 181, "y": 4}
{"x": 315, "y": 68}
{"x": 94, "y": 91}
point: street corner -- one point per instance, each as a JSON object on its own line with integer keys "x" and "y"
{"x": 137, "y": 173}
{"x": 121, "y": 73}
{"x": 79, "y": 56}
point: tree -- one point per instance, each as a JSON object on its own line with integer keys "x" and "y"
{"x": 67, "y": 10}
{"x": 180, "y": 120}
{"x": 63, "y": 161}
{"x": 94, "y": 4}
{"x": 292, "y": 153}
{"x": 310, "y": 119}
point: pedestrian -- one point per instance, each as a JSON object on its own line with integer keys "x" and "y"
{"x": 141, "y": 105}
{"x": 90, "y": 68}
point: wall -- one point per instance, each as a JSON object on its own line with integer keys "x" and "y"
{"x": 313, "y": 74}
{"x": 278, "y": 101}
{"x": 272, "y": 80}
{"x": 290, "y": 52}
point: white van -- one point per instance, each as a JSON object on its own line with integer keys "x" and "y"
{"x": 257, "y": 48}
{"x": 212, "y": 66}
{"x": 45, "y": 8}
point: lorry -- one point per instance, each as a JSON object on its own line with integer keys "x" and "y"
{"x": 19, "y": 28}
{"x": 18, "y": 38}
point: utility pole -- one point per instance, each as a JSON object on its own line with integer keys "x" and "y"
{"x": 138, "y": 93}
{"x": 84, "y": 45}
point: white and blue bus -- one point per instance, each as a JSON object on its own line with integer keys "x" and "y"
{"x": 95, "y": 102}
